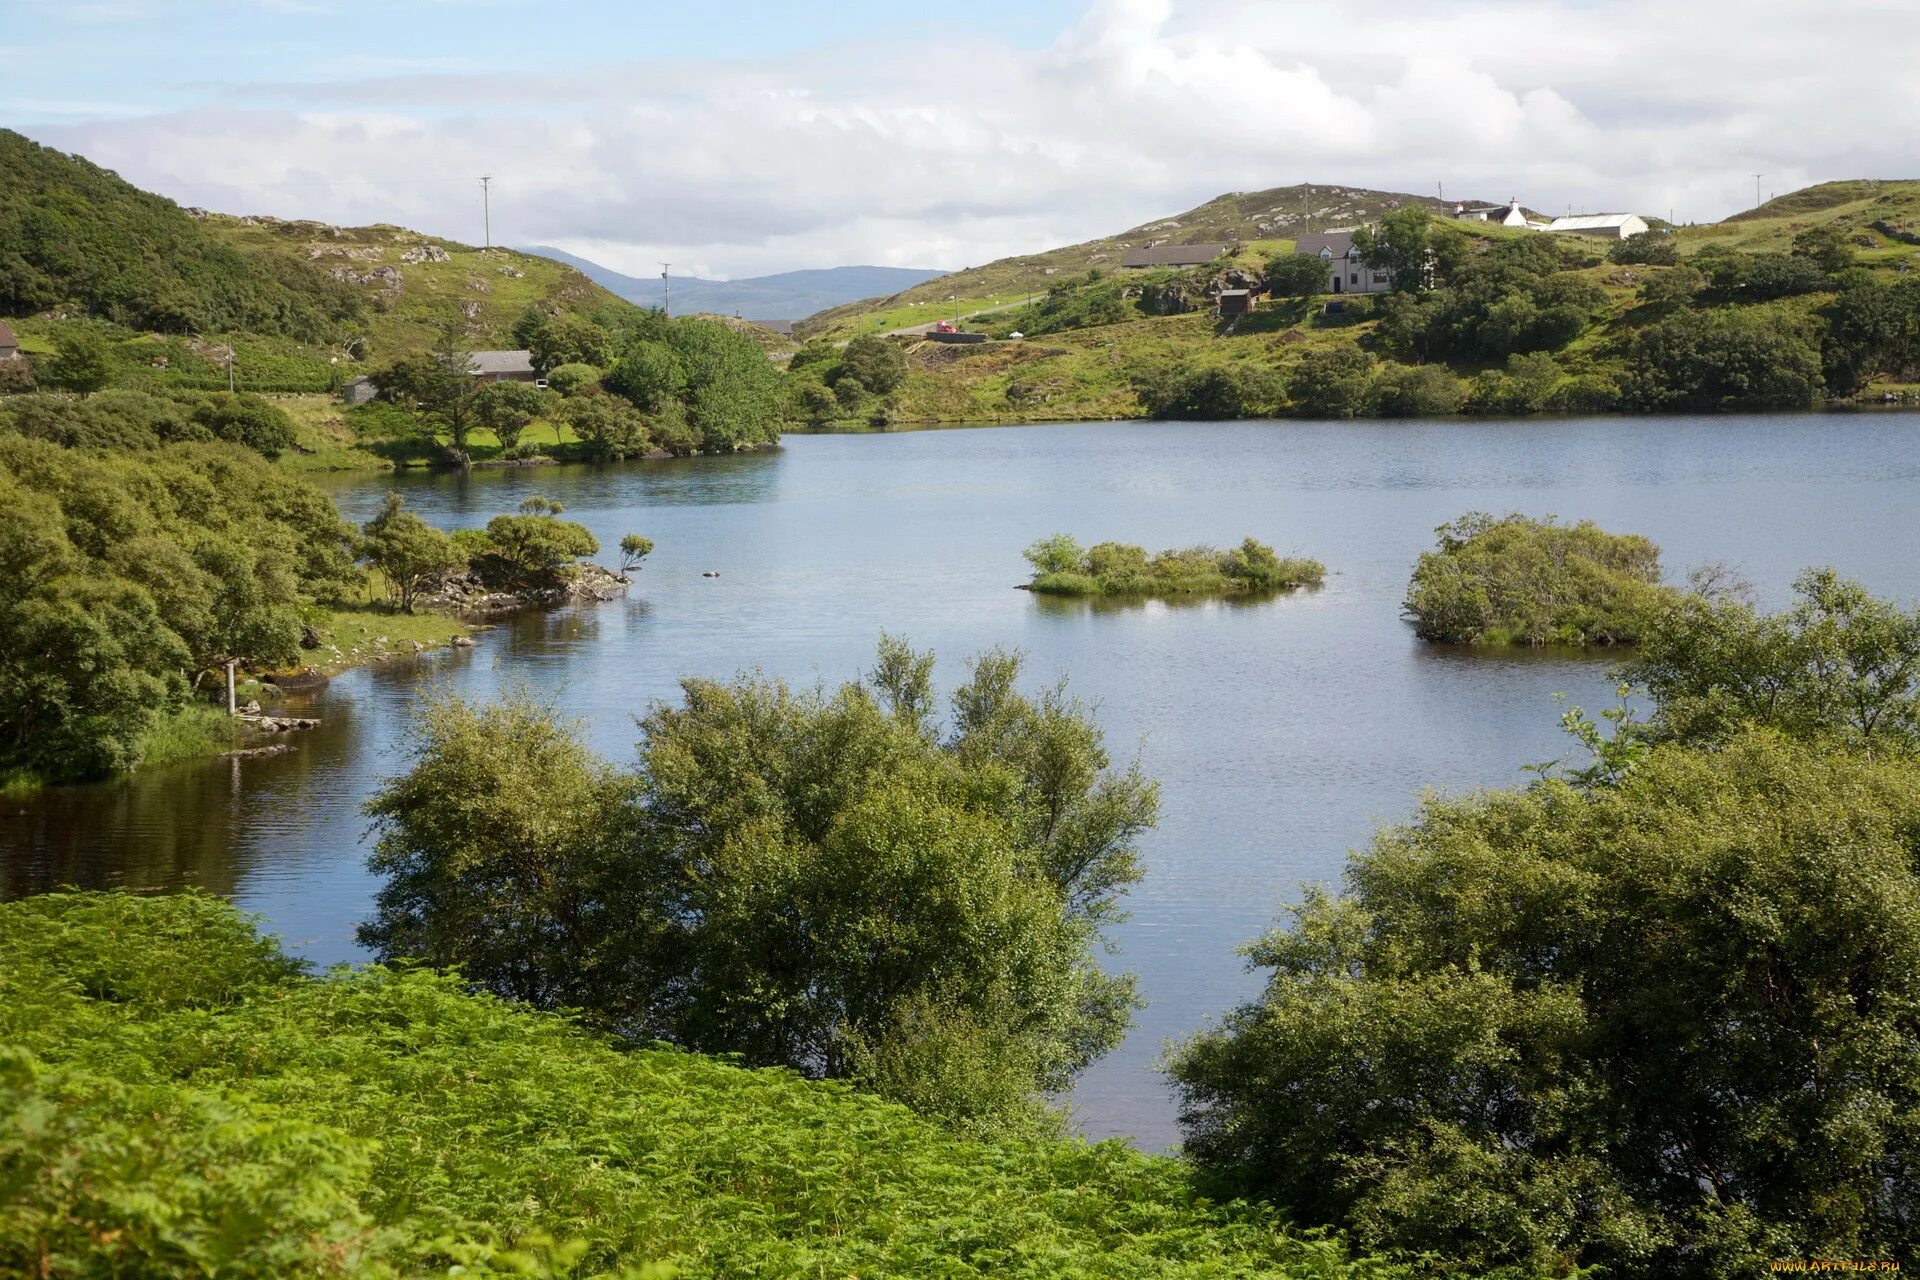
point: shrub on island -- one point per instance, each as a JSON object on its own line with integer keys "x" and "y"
{"x": 1520, "y": 581}
{"x": 1062, "y": 567}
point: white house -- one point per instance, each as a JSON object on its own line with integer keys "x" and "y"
{"x": 1601, "y": 226}
{"x": 1345, "y": 272}
{"x": 1507, "y": 215}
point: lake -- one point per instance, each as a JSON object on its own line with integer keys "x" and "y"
{"x": 1283, "y": 732}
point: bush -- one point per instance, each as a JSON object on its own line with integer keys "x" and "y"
{"x": 182, "y": 1102}
{"x": 1061, "y": 567}
{"x": 534, "y": 553}
{"x": 1721, "y": 360}
{"x": 1660, "y": 1026}
{"x": 572, "y": 379}
{"x": 1334, "y": 382}
{"x": 1653, "y": 248}
{"x": 817, "y": 880}
{"x": 1419, "y": 391}
{"x": 1517, "y": 580}
{"x": 1229, "y": 391}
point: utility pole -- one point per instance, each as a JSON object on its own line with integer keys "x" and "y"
{"x": 1757, "y": 201}
{"x": 486, "y": 205}
{"x": 666, "y": 295}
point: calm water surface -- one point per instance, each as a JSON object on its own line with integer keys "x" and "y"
{"x": 1282, "y": 732}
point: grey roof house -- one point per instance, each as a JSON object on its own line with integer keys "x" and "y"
{"x": 1173, "y": 255}
{"x": 502, "y": 366}
{"x": 1345, "y": 272}
{"x": 9, "y": 345}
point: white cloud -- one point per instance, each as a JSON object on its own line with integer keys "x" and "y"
{"x": 952, "y": 155}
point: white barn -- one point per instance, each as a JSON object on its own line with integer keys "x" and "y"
{"x": 1601, "y": 226}
{"x": 1507, "y": 215}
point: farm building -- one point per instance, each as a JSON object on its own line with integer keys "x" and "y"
{"x": 1601, "y": 226}
{"x": 9, "y": 345}
{"x": 359, "y": 391}
{"x": 1173, "y": 255}
{"x": 1345, "y": 272}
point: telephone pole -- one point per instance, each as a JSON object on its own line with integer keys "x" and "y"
{"x": 666, "y": 298}
{"x": 1757, "y": 201}
{"x": 486, "y": 205}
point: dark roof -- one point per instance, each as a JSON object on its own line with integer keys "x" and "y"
{"x": 501, "y": 362}
{"x": 1337, "y": 241}
{"x": 6, "y": 335}
{"x": 782, "y": 327}
{"x": 1235, "y": 293}
{"x": 1173, "y": 255}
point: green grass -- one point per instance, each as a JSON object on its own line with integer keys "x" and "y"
{"x": 359, "y": 633}
{"x": 187, "y": 733}
{"x": 183, "y": 1101}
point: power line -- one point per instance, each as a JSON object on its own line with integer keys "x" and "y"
{"x": 1757, "y": 201}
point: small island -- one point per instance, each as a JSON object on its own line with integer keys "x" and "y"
{"x": 1062, "y": 567}
{"x": 1520, "y": 581}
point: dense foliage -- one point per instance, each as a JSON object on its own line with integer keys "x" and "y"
{"x": 137, "y": 420}
{"x": 409, "y": 553}
{"x": 75, "y": 234}
{"x": 822, "y": 881}
{"x": 1841, "y": 664}
{"x": 1669, "y": 1026}
{"x": 1516, "y": 580}
{"x": 130, "y": 573}
{"x": 718, "y": 382}
{"x": 1062, "y": 567}
{"x": 176, "y": 1099}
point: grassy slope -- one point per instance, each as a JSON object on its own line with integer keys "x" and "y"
{"x": 1082, "y": 374}
{"x": 376, "y": 1119}
{"x": 1263, "y": 222}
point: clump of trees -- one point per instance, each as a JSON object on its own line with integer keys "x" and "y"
{"x": 531, "y": 552}
{"x": 1520, "y": 581}
{"x": 829, "y": 881}
{"x": 1211, "y": 392}
{"x": 1655, "y": 1016}
{"x": 1062, "y": 567}
{"x": 129, "y": 575}
{"x": 826, "y": 381}
{"x": 410, "y": 554}
{"x": 701, "y": 373}
{"x": 1720, "y": 360}
{"x": 75, "y": 235}
{"x": 140, "y": 420}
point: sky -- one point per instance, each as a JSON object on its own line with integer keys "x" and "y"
{"x": 736, "y": 138}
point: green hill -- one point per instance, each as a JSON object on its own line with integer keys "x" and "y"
{"x": 1260, "y": 222}
{"x": 177, "y": 1098}
{"x": 298, "y": 304}
{"x": 1774, "y": 308}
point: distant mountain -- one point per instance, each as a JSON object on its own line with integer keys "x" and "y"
{"x": 789, "y": 295}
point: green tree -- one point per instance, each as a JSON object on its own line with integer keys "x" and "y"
{"x": 1332, "y": 382}
{"x": 1661, "y": 1026}
{"x": 507, "y": 408}
{"x": 609, "y": 427}
{"x": 1721, "y": 360}
{"x": 1840, "y": 665}
{"x": 570, "y": 339}
{"x": 408, "y": 552}
{"x": 1416, "y": 391}
{"x": 1653, "y": 248}
{"x": 633, "y": 549}
{"x": 1670, "y": 290}
{"x": 82, "y": 362}
{"x": 572, "y": 379}
{"x": 1826, "y": 247}
{"x": 534, "y": 552}
{"x": 1296, "y": 275}
{"x": 1401, "y": 244}
{"x": 822, "y": 881}
{"x": 880, "y": 365}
